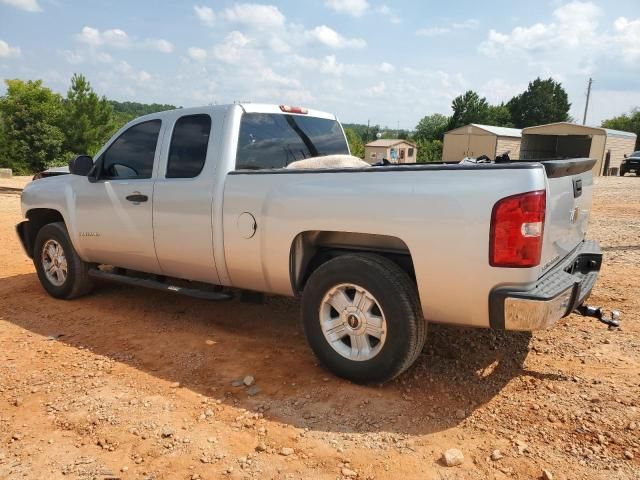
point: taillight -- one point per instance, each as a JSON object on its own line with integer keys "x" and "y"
{"x": 517, "y": 225}
{"x": 290, "y": 109}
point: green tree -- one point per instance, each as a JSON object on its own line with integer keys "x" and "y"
{"x": 89, "y": 119}
{"x": 429, "y": 151}
{"x": 628, "y": 122}
{"x": 544, "y": 101}
{"x": 431, "y": 127}
{"x": 31, "y": 118}
{"x": 468, "y": 108}
{"x": 499, "y": 115}
{"x": 355, "y": 142}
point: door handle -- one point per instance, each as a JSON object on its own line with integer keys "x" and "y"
{"x": 137, "y": 197}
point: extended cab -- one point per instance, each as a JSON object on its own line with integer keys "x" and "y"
{"x": 198, "y": 197}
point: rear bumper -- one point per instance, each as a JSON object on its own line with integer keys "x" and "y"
{"x": 555, "y": 295}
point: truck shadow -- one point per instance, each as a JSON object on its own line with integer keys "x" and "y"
{"x": 205, "y": 346}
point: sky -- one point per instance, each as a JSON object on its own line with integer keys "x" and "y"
{"x": 365, "y": 60}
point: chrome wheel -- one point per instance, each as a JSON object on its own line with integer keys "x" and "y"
{"x": 54, "y": 262}
{"x": 353, "y": 322}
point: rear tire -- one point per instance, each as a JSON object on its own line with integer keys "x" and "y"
{"x": 62, "y": 273}
{"x": 362, "y": 318}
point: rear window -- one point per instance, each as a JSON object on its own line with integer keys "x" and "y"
{"x": 275, "y": 140}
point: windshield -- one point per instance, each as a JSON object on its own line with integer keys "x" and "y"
{"x": 270, "y": 140}
{"x": 635, "y": 154}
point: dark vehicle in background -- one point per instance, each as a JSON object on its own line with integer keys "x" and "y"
{"x": 631, "y": 164}
{"x": 52, "y": 172}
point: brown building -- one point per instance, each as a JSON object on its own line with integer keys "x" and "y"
{"x": 474, "y": 140}
{"x": 569, "y": 140}
{"x": 393, "y": 149}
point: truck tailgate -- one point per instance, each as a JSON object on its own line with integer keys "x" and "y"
{"x": 570, "y": 188}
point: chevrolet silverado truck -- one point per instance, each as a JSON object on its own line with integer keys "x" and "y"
{"x": 200, "y": 201}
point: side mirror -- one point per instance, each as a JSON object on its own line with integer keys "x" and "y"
{"x": 626, "y": 156}
{"x": 81, "y": 165}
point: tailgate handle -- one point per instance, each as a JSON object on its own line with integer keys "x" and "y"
{"x": 577, "y": 187}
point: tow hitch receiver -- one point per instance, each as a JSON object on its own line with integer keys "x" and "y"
{"x": 599, "y": 314}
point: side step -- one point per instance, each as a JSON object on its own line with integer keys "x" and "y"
{"x": 165, "y": 287}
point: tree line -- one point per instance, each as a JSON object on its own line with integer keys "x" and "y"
{"x": 40, "y": 128}
{"x": 544, "y": 101}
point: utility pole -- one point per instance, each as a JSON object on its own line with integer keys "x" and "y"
{"x": 586, "y": 105}
{"x": 366, "y": 140}
{"x": 398, "y": 129}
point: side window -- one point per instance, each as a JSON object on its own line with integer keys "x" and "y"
{"x": 188, "y": 150}
{"x": 131, "y": 155}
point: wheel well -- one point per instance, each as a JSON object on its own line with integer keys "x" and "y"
{"x": 38, "y": 218}
{"x": 311, "y": 249}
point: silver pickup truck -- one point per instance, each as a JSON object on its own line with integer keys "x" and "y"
{"x": 198, "y": 201}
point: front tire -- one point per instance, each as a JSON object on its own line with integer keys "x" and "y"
{"x": 362, "y": 318}
{"x": 62, "y": 273}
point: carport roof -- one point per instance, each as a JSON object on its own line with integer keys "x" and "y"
{"x": 498, "y": 131}
{"x": 586, "y": 129}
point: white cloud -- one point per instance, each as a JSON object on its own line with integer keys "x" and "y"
{"x": 7, "y": 51}
{"x": 575, "y": 25}
{"x": 628, "y": 37}
{"x": 385, "y": 67}
{"x": 355, "y": 8}
{"x": 73, "y": 58}
{"x": 279, "y": 45}
{"x": 432, "y": 31}
{"x": 232, "y": 48}
{"x": 205, "y": 14}
{"x": 255, "y": 15}
{"x": 331, "y": 66}
{"x": 388, "y": 12}
{"x": 574, "y": 42}
{"x": 113, "y": 37}
{"x": 377, "y": 90}
{"x": 161, "y": 45}
{"x": 143, "y": 76}
{"x": 267, "y": 75}
{"x": 442, "y": 30}
{"x": 27, "y": 5}
{"x": 197, "y": 54}
{"x": 90, "y": 36}
{"x": 498, "y": 90}
{"x": 331, "y": 38}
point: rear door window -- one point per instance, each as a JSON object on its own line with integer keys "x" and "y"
{"x": 188, "y": 149}
{"x": 275, "y": 140}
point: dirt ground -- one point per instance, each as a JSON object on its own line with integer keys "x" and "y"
{"x": 130, "y": 383}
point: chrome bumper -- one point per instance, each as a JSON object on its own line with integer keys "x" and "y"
{"x": 555, "y": 295}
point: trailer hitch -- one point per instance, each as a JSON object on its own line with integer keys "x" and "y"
{"x": 599, "y": 314}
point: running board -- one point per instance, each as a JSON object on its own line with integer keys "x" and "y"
{"x": 154, "y": 284}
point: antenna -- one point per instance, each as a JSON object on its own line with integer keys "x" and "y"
{"x": 586, "y": 105}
